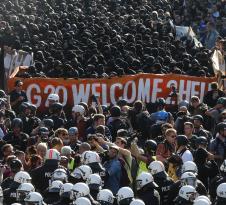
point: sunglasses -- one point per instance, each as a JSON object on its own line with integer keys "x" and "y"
{"x": 173, "y": 136}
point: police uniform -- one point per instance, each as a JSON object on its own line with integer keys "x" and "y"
{"x": 10, "y": 194}
{"x": 174, "y": 190}
{"x": 149, "y": 195}
{"x": 164, "y": 182}
{"x": 41, "y": 176}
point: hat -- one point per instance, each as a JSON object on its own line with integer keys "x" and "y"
{"x": 66, "y": 150}
{"x": 73, "y": 131}
{"x": 114, "y": 147}
{"x": 198, "y": 117}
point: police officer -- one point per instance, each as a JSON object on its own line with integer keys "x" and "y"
{"x": 65, "y": 194}
{"x": 80, "y": 174}
{"x": 146, "y": 189}
{"x": 56, "y": 109}
{"x": 41, "y": 176}
{"x": 82, "y": 190}
{"x": 23, "y": 190}
{"x": 49, "y": 124}
{"x": 219, "y": 179}
{"x": 105, "y": 196}
{"x": 10, "y": 193}
{"x": 95, "y": 184}
{"x": 52, "y": 193}
{"x": 162, "y": 179}
{"x": 125, "y": 196}
{"x": 17, "y": 138}
{"x": 188, "y": 178}
{"x": 221, "y": 194}
{"x": 92, "y": 159}
{"x": 15, "y": 166}
{"x": 186, "y": 196}
{"x": 34, "y": 198}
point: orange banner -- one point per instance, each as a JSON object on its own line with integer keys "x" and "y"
{"x": 145, "y": 87}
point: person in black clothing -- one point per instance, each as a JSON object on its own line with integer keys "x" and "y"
{"x": 162, "y": 179}
{"x": 41, "y": 176}
{"x": 17, "y": 137}
{"x": 55, "y": 110}
{"x": 65, "y": 194}
{"x": 52, "y": 193}
{"x": 17, "y": 96}
{"x": 212, "y": 96}
{"x": 217, "y": 180}
{"x": 146, "y": 189}
{"x": 207, "y": 169}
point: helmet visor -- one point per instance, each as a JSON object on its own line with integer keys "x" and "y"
{"x": 21, "y": 195}
{"x": 139, "y": 184}
{"x": 189, "y": 181}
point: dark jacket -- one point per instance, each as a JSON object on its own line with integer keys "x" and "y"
{"x": 41, "y": 176}
{"x": 174, "y": 190}
{"x": 149, "y": 195}
{"x": 164, "y": 182}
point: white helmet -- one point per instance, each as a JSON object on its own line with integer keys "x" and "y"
{"x": 22, "y": 177}
{"x": 16, "y": 204}
{"x": 188, "y": 193}
{"x": 203, "y": 197}
{"x": 56, "y": 186}
{"x": 80, "y": 189}
{"x": 221, "y": 190}
{"x": 79, "y": 108}
{"x": 189, "y": 166}
{"x": 145, "y": 178}
{"x": 59, "y": 174}
{"x": 66, "y": 190}
{"x": 23, "y": 190}
{"x": 53, "y": 97}
{"x": 52, "y": 154}
{"x": 137, "y": 202}
{"x": 223, "y": 166}
{"x": 89, "y": 157}
{"x": 105, "y": 196}
{"x": 201, "y": 202}
{"x": 125, "y": 193}
{"x": 156, "y": 167}
{"x": 189, "y": 178}
{"x": 82, "y": 171}
{"x": 35, "y": 198}
{"x": 94, "y": 181}
{"x": 82, "y": 201}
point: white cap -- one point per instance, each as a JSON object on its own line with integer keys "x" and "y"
{"x": 54, "y": 97}
{"x": 79, "y": 108}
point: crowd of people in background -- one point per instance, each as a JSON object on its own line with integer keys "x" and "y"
{"x": 125, "y": 154}
{"x": 98, "y": 39}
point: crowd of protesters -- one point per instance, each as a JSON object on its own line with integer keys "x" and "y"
{"x": 125, "y": 154}
{"x": 110, "y": 38}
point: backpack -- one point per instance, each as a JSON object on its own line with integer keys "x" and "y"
{"x": 124, "y": 181}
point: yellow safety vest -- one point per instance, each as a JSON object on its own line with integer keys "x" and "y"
{"x": 71, "y": 165}
{"x": 143, "y": 166}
